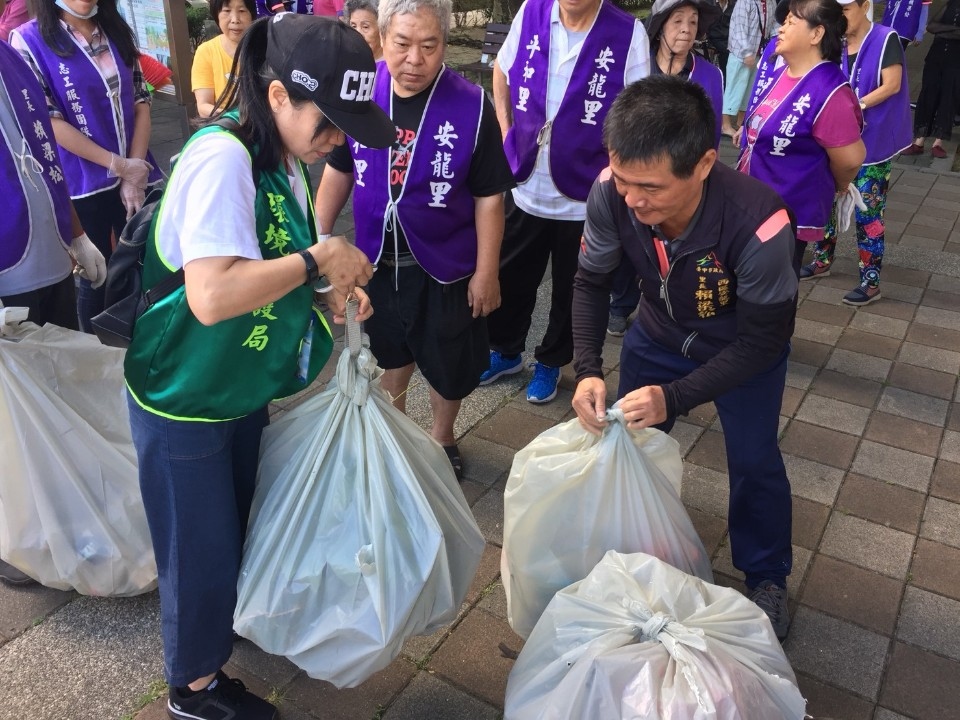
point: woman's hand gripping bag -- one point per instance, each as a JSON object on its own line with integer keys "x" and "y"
{"x": 572, "y": 496}
{"x": 360, "y": 536}
{"x": 637, "y": 639}
{"x": 71, "y": 513}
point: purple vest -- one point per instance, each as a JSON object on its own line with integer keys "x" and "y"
{"x": 435, "y": 208}
{"x": 903, "y": 16}
{"x": 768, "y": 70}
{"x": 40, "y": 167}
{"x": 598, "y": 77}
{"x": 787, "y": 157}
{"x": 82, "y": 95}
{"x": 886, "y": 127}
{"x": 710, "y": 78}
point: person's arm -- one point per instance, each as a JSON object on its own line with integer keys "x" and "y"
{"x": 201, "y": 77}
{"x": 205, "y": 101}
{"x": 483, "y": 291}
{"x": 501, "y": 100}
{"x": 332, "y": 194}
{"x": 845, "y": 163}
{"x": 890, "y": 78}
{"x": 69, "y": 138}
{"x": 142, "y": 124}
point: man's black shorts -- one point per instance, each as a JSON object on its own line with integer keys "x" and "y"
{"x": 419, "y": 320}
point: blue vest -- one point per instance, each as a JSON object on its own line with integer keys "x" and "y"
{"x": 82, "y": 95}
{"x": 577, "y": 154}
{"x": 435, "y": 208}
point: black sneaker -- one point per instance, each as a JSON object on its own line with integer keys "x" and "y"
{"x": 14, "y": 576}
{"x": 617, "y": 326}
{"x": 772, "y": 599}
{"x": 224, "y": 699}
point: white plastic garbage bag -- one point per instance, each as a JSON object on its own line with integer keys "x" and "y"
{"x": 71, "y": 513}
{"x": 640, "y": 640}
{"x": 572, "y": 496}
{"x": 359, "y": 537}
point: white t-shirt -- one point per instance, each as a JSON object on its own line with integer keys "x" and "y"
{"x": 539, "y": 195}
{"x": 208, "y": 205}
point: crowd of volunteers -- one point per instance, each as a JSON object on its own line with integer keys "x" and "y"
{"x": 596, "y": 154}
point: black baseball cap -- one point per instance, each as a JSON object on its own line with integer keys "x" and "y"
{"x": 332, "y": 64}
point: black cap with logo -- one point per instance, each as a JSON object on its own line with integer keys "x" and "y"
{"x": 332, "y": 64}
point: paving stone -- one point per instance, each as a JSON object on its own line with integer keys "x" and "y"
{"x": 894, "y": 465}
{"x": 903, "y": 433}
{"x": 918, "y": 242}
{"x": 838, "y": 315}
{"x": 792, "y": 397}
{"x": 879, "y": 325}
{"x": 484, "y": 462}
{"x": 922, "y": 380}
{"x": 859, "y": 365}
{"x": 809, "y": 353}
{"x": 706, "y": 490}
{"x": 880, "y": 502}
{"x": 488, "y": 512}
{"x": 512, "y": 428}
{"x": 833, "y": 414}
{"x": 941, "y": 522}
{"x": 945, "y": 482}
{"x": 824, "y": 701}
{"x": 274, "y": 670}
{"x": 946, "y": 361}
{"x": 926, "y": 230}
{"x": 913, "y": 405}
{"x": 884, "y": 714}
{"x": 471, "y": 656}
{"x": 709, "y": 452}
{"x": 418, "y": 648}
{"x": 487, "y": 573}
{"x": 814, "y": 331}
{"x": 703, "y": 415}
{"x": 869, "y": 343}
{"x": 953, "y": 417}
{"x": 906, "y": 276}
{"x": 431, "y": 697}
{"x": 922, "y": 685}
{"x": 686, "y": 434}
{"x": 710, "y": 528}
{"x": 723, "y": 564}
{"x": 909, "y": 293}
{"x": 944, "y": 283}
{"x": 363, "y": 701}
{"x": 556, "y": 410}
{"x": 936, "y": 567}
{"x": 800, "y": 375}
{"x": 827, "y": 295}
{"x": 930, "y": 621}
{"x": 809, "y": 520}
{"x": 890, "y": 308}
{"x": 495, "y": 601}
{"x": 819, "y": 444}
{"x": 868, "y": 545}
{"x": 950, "y": 450}
{"x": 855, "y": 658}
{"x": 838, "y": 386}
{"x": 24, "y": 607}
{"x": 944, "y": 301}
{"x": 472, "y": 491}
{"x": 852, "y": 593}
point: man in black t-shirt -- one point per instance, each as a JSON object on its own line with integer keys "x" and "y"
{"x": 429, "y": 213}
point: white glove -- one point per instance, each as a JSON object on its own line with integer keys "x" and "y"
{"x": 90, "y": 263}
{"x": 132, "y": 197}
{"x": 133, "y": 174}
{"x": 846, "y": 201}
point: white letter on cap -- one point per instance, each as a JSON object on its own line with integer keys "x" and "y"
{"x": 346, "y": 92}
{"x": 366, "y": 86}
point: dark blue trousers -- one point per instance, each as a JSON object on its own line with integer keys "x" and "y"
{"x": 197, "y": 480}
{"x": 625, "y": 293}
{"x": 760, "y": 511}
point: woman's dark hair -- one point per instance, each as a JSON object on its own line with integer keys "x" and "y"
{"x": 258, "y": 128}
{"x": 109, "y": 19}
{"x": 217, "y": 5}
{"x": 829, "y": 15}
{"x": 661, "y": 116}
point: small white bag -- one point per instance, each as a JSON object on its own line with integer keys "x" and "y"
{"x": 640, "y": 640}
{"x": 572, "y": 496}
{"x": 360, "y": 536}
{"x": 71, "y": 513}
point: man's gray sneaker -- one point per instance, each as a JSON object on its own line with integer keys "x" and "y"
{"x": 12, "y": 576}
{"x": 772, "y": 599}
{"x": 616, "y": 326}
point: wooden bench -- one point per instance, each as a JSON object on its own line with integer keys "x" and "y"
{"x": 493, "y": 37}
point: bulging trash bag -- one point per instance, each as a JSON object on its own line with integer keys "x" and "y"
{"x": 637, "y": 639}
{"x": 572, "y": 496}
{"x": 359, "y": 536}
{"x": 71, "y": 513}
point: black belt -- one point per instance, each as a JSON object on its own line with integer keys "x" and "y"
{"x": 407, "y": 260}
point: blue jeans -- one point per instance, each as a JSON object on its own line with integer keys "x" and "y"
{"x": 197, "y": 480}
{"x": 625, "y": 293}
{"x": 761, "y": 509}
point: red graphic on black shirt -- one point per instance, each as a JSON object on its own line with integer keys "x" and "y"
{"x": 400, "y": 158}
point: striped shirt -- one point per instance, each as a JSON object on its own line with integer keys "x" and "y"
{"x": 747, "y": 29}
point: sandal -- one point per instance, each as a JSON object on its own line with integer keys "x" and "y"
{"x": 456, "y": 462}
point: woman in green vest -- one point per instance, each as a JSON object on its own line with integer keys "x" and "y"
{"x": 207, "y": 359}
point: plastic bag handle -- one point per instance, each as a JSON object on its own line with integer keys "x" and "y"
{"x": 353, "y": 332}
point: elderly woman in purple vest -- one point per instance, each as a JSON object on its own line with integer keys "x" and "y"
{"x": 802, "y": 131}
{"x": 86, "y": 58}
{"x": 908, "y": 18}
{"x": 873, "y": 60}
{"x": 673, "y": 27}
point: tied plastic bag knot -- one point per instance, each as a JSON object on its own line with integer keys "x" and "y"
{"x": 663, "y": 628}
{"x": 355, "y": 373}
{"x": 615, "y": 415}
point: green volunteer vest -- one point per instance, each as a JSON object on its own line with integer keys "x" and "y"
{"x": 181, "y": 369}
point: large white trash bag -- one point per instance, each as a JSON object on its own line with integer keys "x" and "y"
{"x": 71, "y": 514}
{"x": 572, "y": 496}
{"x": 640, "y": 640}
{"x": 359, "y": 537}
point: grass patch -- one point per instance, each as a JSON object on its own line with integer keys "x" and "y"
{"x": 156, "y": 689}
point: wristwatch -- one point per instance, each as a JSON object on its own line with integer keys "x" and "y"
{"x": 313, "y": 272}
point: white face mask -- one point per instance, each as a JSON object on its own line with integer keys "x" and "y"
{"x": 63, "y": 6}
